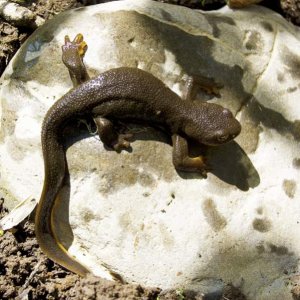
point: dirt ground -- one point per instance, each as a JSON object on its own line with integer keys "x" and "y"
{"x": 25, "y": 273}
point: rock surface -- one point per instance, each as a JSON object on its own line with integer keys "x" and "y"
{"x": 132, "y": 212}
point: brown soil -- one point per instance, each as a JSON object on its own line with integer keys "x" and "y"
{"x": 291, "y": 9}
{"x": 25, "y": 273}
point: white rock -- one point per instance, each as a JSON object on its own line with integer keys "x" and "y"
{"x": 132, "y": 211}
{"x": 18, "y": 214}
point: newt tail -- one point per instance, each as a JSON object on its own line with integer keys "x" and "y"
{"x": 54, "y": 176}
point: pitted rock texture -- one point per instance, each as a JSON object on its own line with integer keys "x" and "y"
{"x": 132, "y": 212}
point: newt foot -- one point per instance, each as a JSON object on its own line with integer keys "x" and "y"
{"x": 206, "y": 84}
{"x": 193, "y": 164}
{"x": 73, "y": 49}
{"x": 199, "y": 164}
{"x": 122, "y": 142}
{"x": 213, "y": 89}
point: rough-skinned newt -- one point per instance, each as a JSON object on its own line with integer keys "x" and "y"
{"x": 121, "y": 93}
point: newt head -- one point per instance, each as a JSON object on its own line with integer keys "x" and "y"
{"x": 211, "y": 124}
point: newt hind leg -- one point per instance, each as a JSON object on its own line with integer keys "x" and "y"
{"x": 196, "y": 82}
{"x": 72, "y": 56}
{"x": 109, "y": 135}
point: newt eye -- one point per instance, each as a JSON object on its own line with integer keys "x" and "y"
{"x": 226, "y": 112}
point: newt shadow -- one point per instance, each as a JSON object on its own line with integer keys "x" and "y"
{"x": 228, "y": 162}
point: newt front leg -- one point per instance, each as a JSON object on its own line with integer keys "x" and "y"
{"x": 181, "y": 159}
